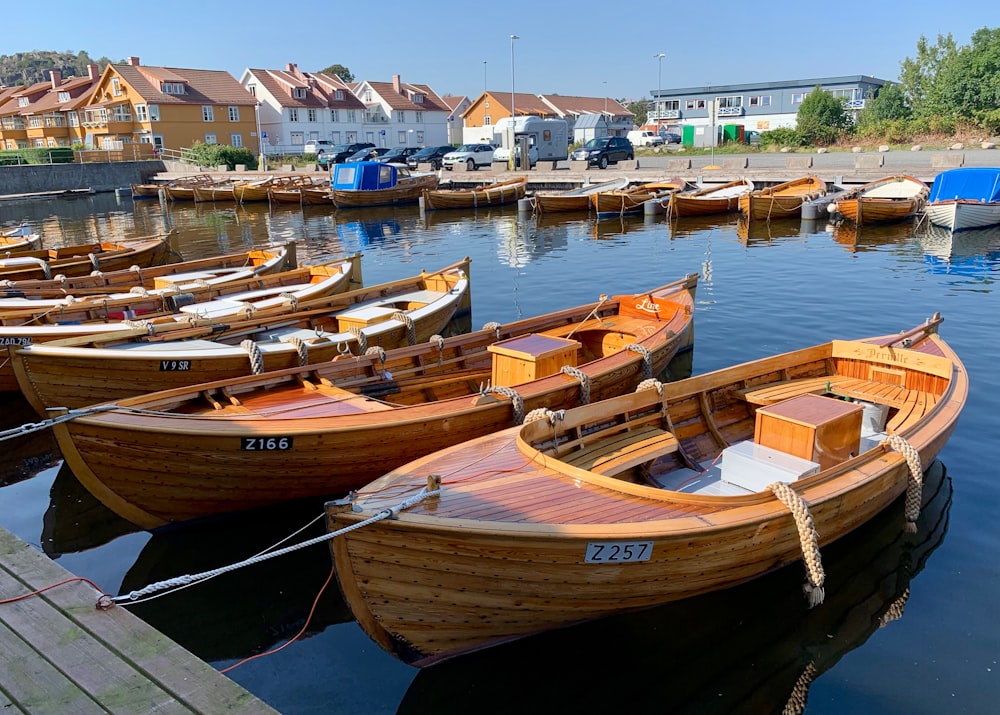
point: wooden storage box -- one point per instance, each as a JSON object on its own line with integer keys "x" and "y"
{"x": 363, "y": 317}
{"x": 821, "y": 429}
{"x": 531, "y": 357}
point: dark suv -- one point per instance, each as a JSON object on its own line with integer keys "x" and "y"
{"x": 602, "y": 151}
{"x": 339, "y": 153}
{"x": 429, "y": 155}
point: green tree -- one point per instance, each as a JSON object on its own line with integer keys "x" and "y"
{"x": 821, "y": 118}
{"x": 339, "y": 70}
{"x": 889, "y": 103}
{"x": 641, "y": 112}
{"x": 920, "y": 76}
{"x": 968, "y": 85}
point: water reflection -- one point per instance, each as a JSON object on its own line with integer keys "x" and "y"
{"x": 973, "y": 253}
{"x": 775, "y": 229}
{"x": 25, "y": 455}
{"x": 689, "y": 226}
{"x": 858, "y": 239}
{"x": 768, "y": 645}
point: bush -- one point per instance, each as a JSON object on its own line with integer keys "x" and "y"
{"x": 219, "y": 154}
{"x": 785, "y": 136}
{"x": 37, "y": 155}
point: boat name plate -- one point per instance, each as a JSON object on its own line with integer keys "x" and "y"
{"x": 175, "y": 365}
{"x": 20, "y": 341}
{"x": 611, "y": 552}
{"x": 265, "y": 444}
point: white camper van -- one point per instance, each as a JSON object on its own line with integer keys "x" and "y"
{"x": 644, "y": 137}
{"x": 548, "y": 139}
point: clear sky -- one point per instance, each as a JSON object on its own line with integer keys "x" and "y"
{"x": 571, "y": 48}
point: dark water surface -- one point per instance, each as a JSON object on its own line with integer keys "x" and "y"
{"x": 909, "y": 624}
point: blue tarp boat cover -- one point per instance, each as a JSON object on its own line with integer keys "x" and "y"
{"x": 364, "y": 176}
{"x": 980, "y": 184}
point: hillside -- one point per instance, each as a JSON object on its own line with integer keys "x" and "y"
{"x": 27, "y": 68}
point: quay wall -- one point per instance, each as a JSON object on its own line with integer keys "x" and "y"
{"x": 43, "y": 178}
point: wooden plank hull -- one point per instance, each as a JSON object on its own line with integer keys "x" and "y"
{"x": 724, "y": 198}
{"x": 331, "y": 439}
{"x": 517, "y": 539}
{"x": 82, "y": 260}
{"x": 894, "y": 198}
{"x": 504, "y": 192}
{"x": 574, "y": 199}
{"x": 185, "y": 349}
{"x": 781, "y": 201}
{"x": 146, "y": 191}
{"x": 216, "y": 193}
{"x": 631, "y": 201}
{"x": 408, "y": 190}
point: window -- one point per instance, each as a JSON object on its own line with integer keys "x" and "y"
{"x": 34, "y": 121}
{"x": 207, "y": 113}
{"x": 293, "y": 115}
{"x": 234, "y": 114}
{"x": 401, "y": 138}
{"x": 74, "y": 119}
{"x": 418, "y": 117}
{"x": 418, "y": 99}
{"x": 310, "y": 115}
{"x": 401, "y": 117}
{"x": 299, "y": 93}
{"x": 339, "y": 95}
{"x": 731, "y": 101}
{"x": 367, "y": 96}
{"x": 694, "y": 104}
{"x": 22, "y": 101}
{"x": 419, "y": 137}
{"x": 334, "y": 115}
{"x": 211, "y": 139}
{"x": 846, "y": 95}
{"x": 297, "y": 138}
{"x": 172, "y": 87}
{"x": 487, "y": 120}
{"x": 671, "y": 105}
{"x": 235, "y": 140}
{"x": 121, "y": 113}
{"x": 116, "y": 86}
{"x": 486, "y": 104}
{"x": 63, "y": 96}
{"x": 141, "y": 115}
{"x": 154, "y": 112}
{"x": 352, "y": 115}
{"x": 797, "y": 97}
{"x": 760, "y": 100}
{"x": 252, "y": 88}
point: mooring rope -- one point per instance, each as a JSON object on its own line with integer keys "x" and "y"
{"x": 650, "y": 384}
{"x": 138, "y": 290}
{"x": 516, "y": 400}
{"x": 187, "y": 580}
{"x": 808, "y": 539}
{"x": 439, "y": 341}
{"x": 914, "y": 482}
{"x": 800, "y": 692}
{"x": 30, "y": 427}
{"x": 360, "y": 336}
{"x": 301, "y": 349}
{"x": 256, "y": 358}
{"x": 141, "y": 325}
{"x": 494, "y": 326}
{"x": 584, "y": 379}
{"x": 411, "y": 331}
{"x": 544, "y": 413}
{"x": 94, "y": 261}
{"x": 647, "y": 359}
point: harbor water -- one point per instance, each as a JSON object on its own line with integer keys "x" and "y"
{"x": 909, "y": 622}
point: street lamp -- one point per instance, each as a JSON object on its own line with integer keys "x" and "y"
{"x": 659, "y": 84}
{"x": 511, "y": 145}
{"x": 484, "y": 76}
{"x": 261, "y": 156}
{"x": 606, "y": 119}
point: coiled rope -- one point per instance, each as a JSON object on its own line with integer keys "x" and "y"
{"x": 647, "y": 359}
{"x": 141, "y": 325}
{"x": 650, "y": 384}
{"x": 138, "y": 290}
{"x": 584, "y": 379}
{"x": 301, "y": 349}
{"x": 186, "y": 580}
{"x": 516, "y": 400}
{"x": 494, "y": 326}
{"x": 411, "y": 331}
{"x": 914, "y": 482}
{"x": 808, "y": 540}
{"x": 256, "y": 358}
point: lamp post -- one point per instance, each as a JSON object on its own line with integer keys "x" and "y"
{"x": 659, "y": 84}
{"x": 261, "y": 157}
{"x": 484, "y": 76}
{"x": 606, "y": 120}
{"x": 512, "y": 112}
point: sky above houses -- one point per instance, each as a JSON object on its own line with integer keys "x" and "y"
{"x": 581, "y": 49}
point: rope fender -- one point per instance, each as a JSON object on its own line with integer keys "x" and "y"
{"x": 647, "y": 359}
{"x": 584, "y": 379}
{"x": 301, "y": 349}
{"x": 516, "y": 400}
{"x": 914, "y": 482}
{"x": 808, "y": 540}
{"x": 411, "y": 331}
{"x": 256, "y": 358}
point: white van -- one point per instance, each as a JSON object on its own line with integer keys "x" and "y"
{"x": 644, "y": 137}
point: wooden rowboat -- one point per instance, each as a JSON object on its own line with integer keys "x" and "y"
{"x": 146, "y": 191}
{"x": 209, "y": 342}
{"x": 632, "y": 199}
{"x": 333, "y": 427}
{"x": 357, "y": 184}
{"x": 255, "y": 190}
{"x": 578, "y": 199}
{"x": 721, "y": 198}
{"x": 496, "y": 194}
{"x": 318, "y": 195}
{"x": 893, "y": 198}
{"x": 84, "y": 259}
{"x": 781, "y": 201}
{"x": 24, "y": 323}
{"x": 183, "y": 189}
{"x": 18, "y": 239}
{"x": 289, "y": 189}
{"x": 674, "y": 491}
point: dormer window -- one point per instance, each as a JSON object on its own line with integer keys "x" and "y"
{"x": 172, "y": 87}
{"x": 418, "y": 99}
{"x": 63, "y": 96}
{"x": 299, "y": 93}
{"x": 339, "y": 95}
{"x": 22, "y": 101}
{"x": 116, "y": 86}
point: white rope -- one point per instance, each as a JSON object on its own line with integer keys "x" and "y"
{"x": 584, "y": 379}
{"x": 494, "y": 326}
{"x": 650, "y": 384}
{"x": 647, "y": 359}
{"x": 516, "y": 400}
{"x": 439, "y": 341}
{"x": 141, "y": 325}
{"x": 138, "y": 290}
{"x": 411, "y": 331}
{"x": 186, "y": 580}
{"x": 94, "y": 261}
{"x": 362, "y": 339}
{"x": 30, "y": 427}
{"x": 914, "y": 481}
{"x": 808, "y": 540}
{"x": 544, "y": 413}
{"x": 256, "y": 358}
{"x": 301, "y": 349}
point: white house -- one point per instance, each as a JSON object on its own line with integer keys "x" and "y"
{"x": 402, "y": 114}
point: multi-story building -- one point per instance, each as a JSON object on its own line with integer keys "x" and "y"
{"x": 403, "y": 114}
{"x": 45, "y": 114}
{"x": 456, "y": 106}
{"x": 752, "y": 107}
{"x": 587, "y": 116}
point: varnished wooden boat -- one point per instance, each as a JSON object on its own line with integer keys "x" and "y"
{"x": 632, "y": 199}
{"x": 220, "y": 191}
{"x": 316, "y": 195}
{"x": 183, "y": 189}
{"x": 502, "y": 192}
{"x": 578, "y": 199}
{"x": 357, "y": 184}
{"x": 262, "y": 261}
{"x": 333, "y": 427}
{"x": 192, "y": 347}
{"x": 254, "y": 190}
{"x": 146, "y": 191}
{"x": 717, "y": 199}
{"x": 114, "y": 315}
{"x": 964, "y": 198}
{"x": 674, "y": 491}
{"x": 289, "y": 189}
{"x": 84, "y": 259}
{"x": 781, "y": 201}
{"x": 893, "y": 198}
{"x": 18, "y": 239}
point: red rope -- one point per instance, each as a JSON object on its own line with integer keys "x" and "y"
{"x": 103, "y": 602}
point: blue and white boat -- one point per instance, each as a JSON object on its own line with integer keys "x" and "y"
{"x": 964, "y": 198}
{"x": 371, "y": 183}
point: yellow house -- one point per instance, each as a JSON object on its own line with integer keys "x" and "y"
{"x": 168, "y": 108}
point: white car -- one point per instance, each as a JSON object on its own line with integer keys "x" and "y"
{"x": 503, "y": 155}
{"x": 317, "y": 146}
{"x": 472, "y": 155}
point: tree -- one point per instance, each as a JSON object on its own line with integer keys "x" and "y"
{"x": 968, "y": 85}
{"x": 889, "y": 103}
{"x": 641, "y": 112}
{"x": 339, "y": 70}
{"x": 920, "y": 77}
{"x": 821, "y": 118}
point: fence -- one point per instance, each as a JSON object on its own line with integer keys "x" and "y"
{"x": 126, "y": 152}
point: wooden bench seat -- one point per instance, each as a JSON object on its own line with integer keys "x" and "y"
{"x": 622, "y": 451}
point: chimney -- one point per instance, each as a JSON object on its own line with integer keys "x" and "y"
{"x": 396, "y": 84}
{"x": 93, "y": 71}
{"x": 133, "y": 60}
{"x": 56, "y": 76}
{"x": 292, "y": 68}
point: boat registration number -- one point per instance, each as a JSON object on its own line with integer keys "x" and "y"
{"x": 175, "y": 365}
{"x": 612, "y": 552}
{"x": 265, "y": 444}
{"x": 19, "y": 341}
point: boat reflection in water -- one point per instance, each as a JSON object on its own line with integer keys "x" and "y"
{"x": 23, "y": 456}
{"x": 868, "y": 237}
{"x": 696, "y": 226}
{"x": 755, "y": 648}
{"x": 973, "y": 253}
{"x": 772, "y": 230}
{"x": 75, "y": 520}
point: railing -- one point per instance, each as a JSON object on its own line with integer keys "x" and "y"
{"x": 855, "y": 104}
{"x": 730, "y": 111}
{"x": 665, "y": 114}
{"x": 183, "y": 155}
{"x": 124, "y": 152}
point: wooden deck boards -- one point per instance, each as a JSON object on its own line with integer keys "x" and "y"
{"x": 61, "y": 654}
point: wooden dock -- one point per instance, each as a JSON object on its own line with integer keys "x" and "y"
{"x": 60, "y": 654}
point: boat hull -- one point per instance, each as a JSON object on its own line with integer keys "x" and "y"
{"x": 407, "y": 191}
{"x": 781, "y": 201}
{"x": 712, "y": 200}
{"x": 499, "y": 194}
{"x": 961, "y": 215}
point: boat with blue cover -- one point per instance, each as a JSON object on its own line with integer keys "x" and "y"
{"x": 967, "y": 197}
{"x": 371, "y": 183}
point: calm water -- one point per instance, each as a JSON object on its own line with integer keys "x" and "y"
{"x": 909, "y": 624}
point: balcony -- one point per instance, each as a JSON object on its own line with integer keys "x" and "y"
{"x": 855, "y": 104}
{"x": 730, "y": 111}
{"x": 665, "y": 114}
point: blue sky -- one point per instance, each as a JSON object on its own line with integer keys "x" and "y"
{"x": 564, "y": 48}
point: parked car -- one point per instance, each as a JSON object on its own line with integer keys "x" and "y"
{"x": 317, "y": 146}
{"x": 752, "y": 137}
{"x": 368, "y": 154}
{"x": 671, "y": 137}
{"x": 601, "y": 151}
{"x": 398, "y": 154}
{"x": 472, "y": 155}
{"x": 429, "y": 155}
{"x": 644, "y": 137}
{"x": 338, "y": 154}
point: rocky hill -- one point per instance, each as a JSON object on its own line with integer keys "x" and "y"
{"x": 27, "y": 68}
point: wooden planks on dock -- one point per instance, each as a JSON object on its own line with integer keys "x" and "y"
{"x": 60, "y": 654}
